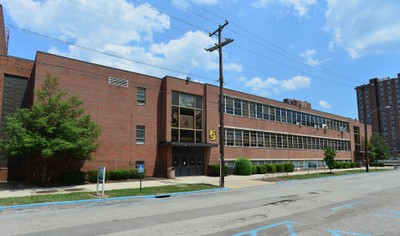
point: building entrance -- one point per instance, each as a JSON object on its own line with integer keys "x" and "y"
{"x": 188, "y": 161}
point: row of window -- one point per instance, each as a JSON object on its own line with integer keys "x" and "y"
{"x": 240, "y": 107}
{"x": 259, "y": 139}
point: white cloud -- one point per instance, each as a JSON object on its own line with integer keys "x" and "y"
{"x": 301, "y": 7}
{"x": 309, "y": 57}
{"x": 119, "y": 28}
{"x": 324, "y": 104}
{"x": 364, "y": 27}
{"x": 273, "y": 85}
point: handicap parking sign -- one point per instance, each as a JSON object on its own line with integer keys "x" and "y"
{"x": 140, "y": 168}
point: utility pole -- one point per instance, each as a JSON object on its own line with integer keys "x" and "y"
{"x": 221, "y": 99}
{"x": 365, "y": 129}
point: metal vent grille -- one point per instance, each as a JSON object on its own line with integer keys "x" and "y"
{"x": 118, "y": 82}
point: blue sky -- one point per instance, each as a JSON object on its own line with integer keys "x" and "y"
{"x": 312, "y": 50}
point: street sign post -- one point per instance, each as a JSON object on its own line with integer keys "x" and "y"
{"x": 101, "y": 178}
{"x": 140, "y": 169}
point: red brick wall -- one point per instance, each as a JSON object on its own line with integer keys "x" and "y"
{"x": 113, "y": 108}
{"x": 3, "y": 43}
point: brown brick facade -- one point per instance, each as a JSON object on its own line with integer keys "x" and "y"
{"x": 117, "y": 112}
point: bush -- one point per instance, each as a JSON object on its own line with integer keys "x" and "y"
{"x": 253, "y": 169}
{"x": 134, "y": 174}
{"x": 289, "y": 167}
{"x": 73, "y": 177}
{"x": 377, "y": 164}
{"x": 213, "y": 170}
{"x": 280, "y": 168}
{"x": 346, "y": 165}
{"x": 353, "y": 164}
{"x": 92, "y": 176}
{"x": 243, "y": 166}
{"x": 271, "y": 168}
{"x": 339, "y": 165}
{"x": 119, "y": 174}
{"x": 261, "y": 169}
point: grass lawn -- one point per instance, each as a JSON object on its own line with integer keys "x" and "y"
{"x": 322, "y": 174}
{"x": 111, "y": 193}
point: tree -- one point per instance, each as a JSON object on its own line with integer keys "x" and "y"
{"x": 55, "y": 127}
{"x": 329, "y": 159}
{"x": 378, "y": 149}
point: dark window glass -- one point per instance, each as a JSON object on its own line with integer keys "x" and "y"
{"x": 199, "y": 102}
{"x": 141, "y": 96}
{"x": 199, "y": 119}
{"x": 140, "y": 132}
{"x": 228, "y": 105}
{"x": 187, "y": 136}
{"x": 187, "y": 118}
{"x": 175, "y": 135}
{"x": 238, "y": 107}
{"x": 175, "y": 117}
{"x": 238, "y": 137}
{"x": 246, "y": 140}
{"x": 175, "y": 98}
{"x": 198, "y": 136}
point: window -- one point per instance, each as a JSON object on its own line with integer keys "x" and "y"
{"x": 118, "y": 82}
{"x": 141, "y": 96}
{"x": 187, "y": 118}
{"x": 140, "y": 134}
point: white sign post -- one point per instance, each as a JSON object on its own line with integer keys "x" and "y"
{"x": 101, "y": 178}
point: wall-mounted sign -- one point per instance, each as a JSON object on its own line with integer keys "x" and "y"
{"x": 213, "y": 135}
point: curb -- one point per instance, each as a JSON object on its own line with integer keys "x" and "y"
{"x": 108, "y": 199}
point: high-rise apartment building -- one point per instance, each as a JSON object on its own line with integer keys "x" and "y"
{"x": 381, "y": 108}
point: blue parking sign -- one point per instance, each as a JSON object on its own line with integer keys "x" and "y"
{"x": 140, "y": 168}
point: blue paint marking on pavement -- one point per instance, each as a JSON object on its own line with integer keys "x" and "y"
{"x": 343, "y": 233}
{"x": 389, "y": 214}
{"x": 288, "y": 224}
{"x": 102, "y": 200}
{"x": 348, "y": 206}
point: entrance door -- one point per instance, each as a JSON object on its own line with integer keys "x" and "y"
{"x": 188, "y": 161}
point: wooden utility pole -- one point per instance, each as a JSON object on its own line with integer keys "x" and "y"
{"x": 221, "y": 99}
{"x": 365, "y": 129}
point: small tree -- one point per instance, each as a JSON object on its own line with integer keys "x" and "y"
{"x": 54, "y": 127}
{"x": 329, "y": 159}
{"x": 378, "y": 149}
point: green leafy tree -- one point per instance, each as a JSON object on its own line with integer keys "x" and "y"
{"x": 378, "y": 149}
{"x": 329, "y": 159}
{"x": 55, "y": 127}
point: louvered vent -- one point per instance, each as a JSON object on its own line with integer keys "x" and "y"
{"x": 118, "y": 82}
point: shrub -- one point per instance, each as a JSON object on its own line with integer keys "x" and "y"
{"x": 261, "y": 169}
{"x": 73, "y": 177}
{"x": 339, "y": 165}
{"x": 377, "y": 164}
{"x": 358, "y": 164}
{"x": 271, "y": 168}
{"x": 253, "y": 169}
{"x": 119, "y": 174}
{"x": 353, "y": 164}
{"x": 243, "y": 166}
{"x": 280, "y": 168}
{"x": 289, "y": 167}
{"x": 347, "y": 165}
{"x": 92, "y": 176}
{"x": 213, "y": 170}
{"x": 134, "y": 174}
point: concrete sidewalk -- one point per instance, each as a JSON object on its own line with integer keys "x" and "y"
{"x": 8, "y": 189}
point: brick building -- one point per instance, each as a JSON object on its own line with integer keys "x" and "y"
{"x": 169, "y": 121}
{"x": 382, "y": 109}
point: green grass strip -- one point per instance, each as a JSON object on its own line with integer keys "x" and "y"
{"x": 59, "y": 197}
{"x": 323, "y": 174}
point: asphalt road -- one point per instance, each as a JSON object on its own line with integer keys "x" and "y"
{"x": 362, "y": 204}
